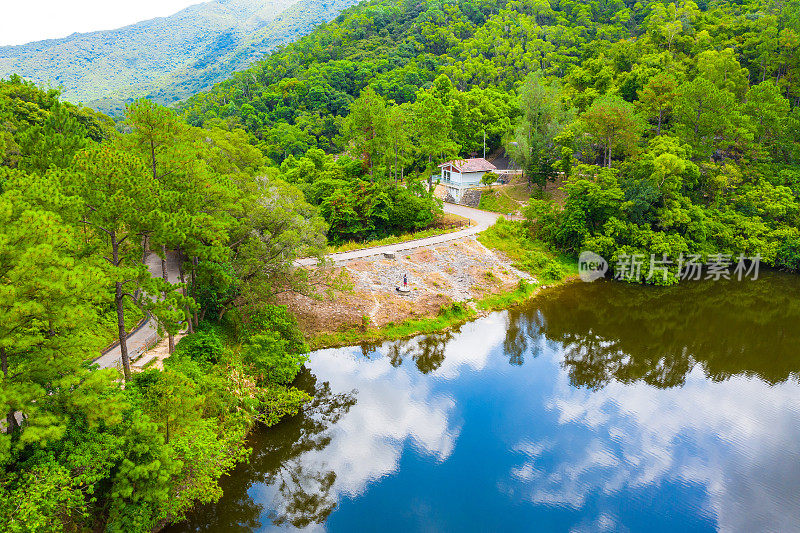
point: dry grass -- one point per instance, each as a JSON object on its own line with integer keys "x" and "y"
{"x": 438, "y": 276}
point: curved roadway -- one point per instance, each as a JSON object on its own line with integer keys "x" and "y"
{"x": 138, "y": 339}
{"x": 482, "y": 220}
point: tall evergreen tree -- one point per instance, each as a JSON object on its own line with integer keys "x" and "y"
{"x": 49, "y": 297}
{"x": 118, "y": 196}
{"x": 543, "y": 118}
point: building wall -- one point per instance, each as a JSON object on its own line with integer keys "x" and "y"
{"x": 457, "y": 183}
{"x": 449, "y": 174}
{"x": 472, "y": 178}
{"x": 467, "y": 179}
{"x": 454, "y": 193}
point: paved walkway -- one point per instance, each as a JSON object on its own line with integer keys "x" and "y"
{"x": 482, "y": 220}
{"x": 147, "y": 335}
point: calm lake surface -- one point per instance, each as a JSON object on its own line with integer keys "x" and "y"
{"x": 595, "y": 407}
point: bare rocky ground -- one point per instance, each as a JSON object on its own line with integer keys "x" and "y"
{"x": 154, "y": 357}
{"x": 437, "y": 276}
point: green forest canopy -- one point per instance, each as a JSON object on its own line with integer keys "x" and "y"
{"x": 693, "y": 109}
{"x": 80, "y": 204}
{"x": 676, "y": 126}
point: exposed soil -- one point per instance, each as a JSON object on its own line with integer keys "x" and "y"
{"x": 154, "y": 357}
{"x": 437, "y": 276}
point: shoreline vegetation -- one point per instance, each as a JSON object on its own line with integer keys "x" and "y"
{"x": 449, "y": 317}
{"x": 510, "y": 238}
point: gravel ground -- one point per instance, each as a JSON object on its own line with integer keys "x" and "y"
{"x": 437, "y": 276}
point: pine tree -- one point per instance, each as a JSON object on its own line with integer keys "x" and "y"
{"x": 432, "y": 127}
{"x": 157, "y": 136}
{"x": 48, "y": 325}
{"x": 118, "y": 197}
{"x": 613, "y": 124}
{"x": 366, "y": 128}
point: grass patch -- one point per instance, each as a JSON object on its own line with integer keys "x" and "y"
{"x": 449, "y": 316}
{"x": 507, "y": 299}
{"x": 520, "y": 192}
{"x": 498, "y": 201}
{"x": 526, "y": 254}
{"x": 453, "y": 223}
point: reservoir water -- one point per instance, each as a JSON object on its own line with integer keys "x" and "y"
{"x": 595, "y": 407}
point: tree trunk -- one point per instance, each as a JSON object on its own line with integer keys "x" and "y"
{"x": 145, "y": 246}
{"x": 11, "y": 419}
{"x": 430, "y": 176}
{"x": 119, "y": 302}
{"x": 185, "y": 292}
{"x": 194, "y": 289}
{"x": 165, "y": 277}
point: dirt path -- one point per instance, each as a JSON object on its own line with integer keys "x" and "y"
{"x": 438, "y": 275}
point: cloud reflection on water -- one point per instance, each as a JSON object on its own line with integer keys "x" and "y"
{"x": 396, "y": 407}
{"x": 738, "y": 439}
{"x": 563, "y": 411}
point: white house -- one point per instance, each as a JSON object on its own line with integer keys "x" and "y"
{"x": 462, "y": 174}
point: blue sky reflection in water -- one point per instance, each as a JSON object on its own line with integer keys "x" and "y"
{"x": 557, "y": 416}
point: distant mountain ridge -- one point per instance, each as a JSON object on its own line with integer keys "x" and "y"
{"x": 166, "y": 58}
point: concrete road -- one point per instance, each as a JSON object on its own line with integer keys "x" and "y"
{"x": 146, "y": 335}
{"x": 481, "y": 221}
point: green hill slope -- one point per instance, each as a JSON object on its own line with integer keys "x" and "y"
{"x": 592, "y": 48}
{"x": 676, "y": 125}
{"x": 167, "y": 58}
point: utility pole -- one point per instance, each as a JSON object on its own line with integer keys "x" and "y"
{"x": 484, "y": 144}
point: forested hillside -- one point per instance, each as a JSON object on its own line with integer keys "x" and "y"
{"x": 677, "y": 122}
{"x": 166, "y": 59}
{"x": 85, "y": 448}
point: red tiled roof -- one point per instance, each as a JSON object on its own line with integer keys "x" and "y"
{"x": 477, "y": 164}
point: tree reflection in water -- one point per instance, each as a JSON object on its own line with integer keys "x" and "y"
{"x": 523, "y": 329}
{"x": 427, "y": 351}
{"x": 303, "y": 495}
{"x": 613, "y": 331}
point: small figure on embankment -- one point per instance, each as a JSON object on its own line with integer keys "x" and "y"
{"x": 404, "y": 287}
